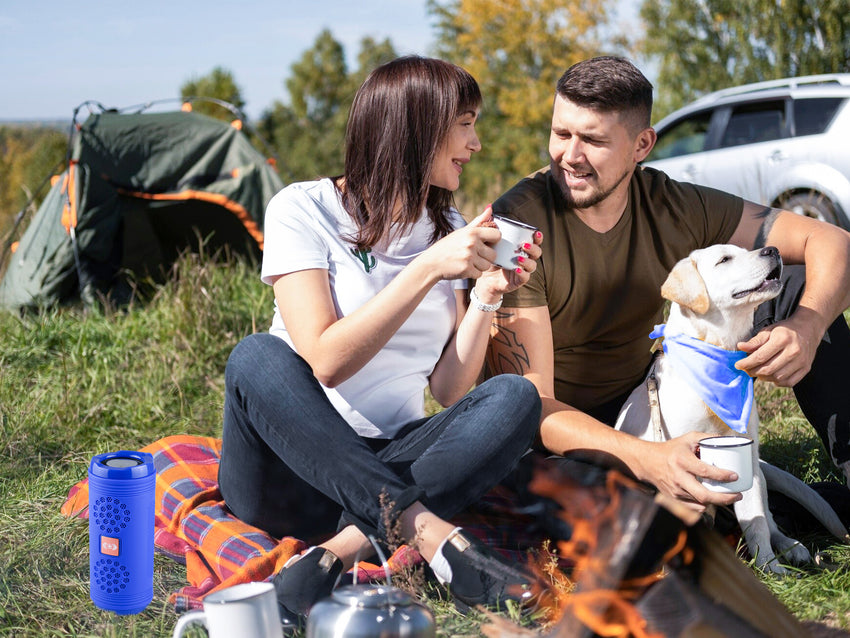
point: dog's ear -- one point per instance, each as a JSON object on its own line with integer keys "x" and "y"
{"x": 685, "y": 286}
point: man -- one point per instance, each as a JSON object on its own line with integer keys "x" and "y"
{"x": 612, "y": 232}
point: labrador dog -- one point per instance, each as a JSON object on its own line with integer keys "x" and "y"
{"x": 713, "y": 294}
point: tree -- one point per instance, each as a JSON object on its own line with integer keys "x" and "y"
{"x": 706, "y": 45}
{"x": 372, "y": 54}
{"x": 220, "y": 85}
{"x": 28, "y": 156}
{"x": 517, "y": 50}
{"x": 309, "y": 132}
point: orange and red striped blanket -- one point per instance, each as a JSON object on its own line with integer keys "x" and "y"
{"x": 193, "y": 525}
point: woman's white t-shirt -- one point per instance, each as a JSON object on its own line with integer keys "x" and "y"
{"x": 306, "y": 227}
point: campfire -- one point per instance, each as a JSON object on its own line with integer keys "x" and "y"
{"x": 641, "y": 566}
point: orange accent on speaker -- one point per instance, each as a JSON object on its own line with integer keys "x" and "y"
{"x": 109, "y": 546}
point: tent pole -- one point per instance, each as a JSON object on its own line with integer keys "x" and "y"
{"x": 73, "y": 232}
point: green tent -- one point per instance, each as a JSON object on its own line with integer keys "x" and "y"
{"x": 140, "y": 188}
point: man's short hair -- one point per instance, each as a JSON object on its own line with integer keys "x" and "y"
{"x": 608, "y": 84}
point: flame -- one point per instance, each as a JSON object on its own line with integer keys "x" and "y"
{"x": 595, "y": 597}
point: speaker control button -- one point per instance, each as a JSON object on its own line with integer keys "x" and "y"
{"x": 109, "y": 546}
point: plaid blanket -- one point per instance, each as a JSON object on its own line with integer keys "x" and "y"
{"x": 194, "y": 527}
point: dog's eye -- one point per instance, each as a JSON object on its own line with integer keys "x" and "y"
{"x": 723, "y": 260}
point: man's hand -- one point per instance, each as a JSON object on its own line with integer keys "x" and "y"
{"x": 674, "y": 469}
{"x": 782, "y": 353}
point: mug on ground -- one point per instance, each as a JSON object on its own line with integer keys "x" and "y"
{"x": 733, "y": 453}
{"x": 514, "y": 235}
{"x": 248, "y": 610}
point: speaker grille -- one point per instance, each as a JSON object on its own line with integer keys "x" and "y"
{"x": 111, "y": 576}
{"x": 110, "y": 514}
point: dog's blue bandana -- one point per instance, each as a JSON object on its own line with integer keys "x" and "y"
{"x": 711, "y": 372}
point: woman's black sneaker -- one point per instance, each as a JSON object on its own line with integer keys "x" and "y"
{"x": 481, "y": 576}
{"x": 301, "y": 584}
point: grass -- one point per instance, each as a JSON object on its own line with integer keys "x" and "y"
{"x": 74, "y": 384}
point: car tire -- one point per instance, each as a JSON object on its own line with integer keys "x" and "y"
{"x": 812, "y": 204}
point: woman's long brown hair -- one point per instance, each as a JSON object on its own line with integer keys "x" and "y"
{"x": 400, "y": 116}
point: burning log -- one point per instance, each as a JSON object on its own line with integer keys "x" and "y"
{"x": 644, "y": 566}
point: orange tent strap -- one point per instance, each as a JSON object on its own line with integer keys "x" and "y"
{"x": 14, "y": 246}
{"x": 237, "y": 124}
{"x": 214, "y": 198}
{"x": 69, "y": 209}
{"x": 186, "y": 106}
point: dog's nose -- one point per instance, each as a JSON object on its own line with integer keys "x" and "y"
{"x": 769, "y": 251}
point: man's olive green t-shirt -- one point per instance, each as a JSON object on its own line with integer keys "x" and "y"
{"x": 603, "y": 290}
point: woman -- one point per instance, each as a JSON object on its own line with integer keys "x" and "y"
{"x": 369, "y": 272}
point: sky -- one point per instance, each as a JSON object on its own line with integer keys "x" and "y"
{"x": 57, "y": 55}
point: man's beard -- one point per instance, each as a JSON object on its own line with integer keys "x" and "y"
{"x": 591, "y": 199}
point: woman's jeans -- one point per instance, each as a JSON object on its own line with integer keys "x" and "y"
{"x": 290, "y": 464}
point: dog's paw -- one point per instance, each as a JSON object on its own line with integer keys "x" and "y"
{"x": 773, "y": 567}
{"x": 769, "y": 563}
{"x": 790, "y": 550}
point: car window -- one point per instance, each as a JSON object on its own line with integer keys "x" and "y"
{"x": 750, "y": 123}
{"x": 684, "y": 137}
{"x": 812, "y": 116}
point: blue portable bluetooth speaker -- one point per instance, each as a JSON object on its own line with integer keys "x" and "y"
{"x": 121, "y": 524}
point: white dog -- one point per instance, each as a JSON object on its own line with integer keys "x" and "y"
{"x": 714, "y": 293}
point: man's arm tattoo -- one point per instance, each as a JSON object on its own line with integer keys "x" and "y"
{"x": 506, "y": 354}
{"x": 768, "y": 216}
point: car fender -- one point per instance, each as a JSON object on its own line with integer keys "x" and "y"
{"x": 814, "y": 176}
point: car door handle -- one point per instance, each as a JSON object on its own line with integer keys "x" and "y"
{"x": 690, "y": 172}
{"x": 778, "y": 156}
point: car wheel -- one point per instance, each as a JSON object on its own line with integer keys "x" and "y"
{"x": 811, "y": 204}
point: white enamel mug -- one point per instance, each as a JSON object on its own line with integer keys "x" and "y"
{"x": 514, "y": 235}
{"x": 730, "y": 453}
{"x": 248, "y": 610}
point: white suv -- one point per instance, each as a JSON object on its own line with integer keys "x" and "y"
{"x": 785, "y": 143}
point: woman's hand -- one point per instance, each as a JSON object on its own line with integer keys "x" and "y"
{"x": 461, "y": 362}
{"x": 496, "y": 281}
{"x": 466, "y": 252}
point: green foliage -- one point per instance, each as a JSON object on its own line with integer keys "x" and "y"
{"x": 709, "y": 45}
{"x": 517, "y": 50}
{"x": 308, "y": 134}
{"x": 28, "y": 155}
{"x": 219, "y": 85}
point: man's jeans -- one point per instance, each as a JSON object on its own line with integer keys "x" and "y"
{"x": 824, "y": 393}
{"x": 290, "y": 464}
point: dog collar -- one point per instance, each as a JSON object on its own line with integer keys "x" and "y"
{"x": 712, "y": 374}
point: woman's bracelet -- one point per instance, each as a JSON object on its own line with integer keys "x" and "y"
{"x": 480, "y": 305}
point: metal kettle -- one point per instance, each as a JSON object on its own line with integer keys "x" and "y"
{"x": 370, "y": 611}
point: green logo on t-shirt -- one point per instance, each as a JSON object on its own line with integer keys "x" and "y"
{"x": 365, "y": 258}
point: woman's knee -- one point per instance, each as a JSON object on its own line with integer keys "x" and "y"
{"x": 514, "y": 390}
{"x": 256, "y": 355}
{"x": 249, "y": 351}
{"x": 516, "y": 397}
